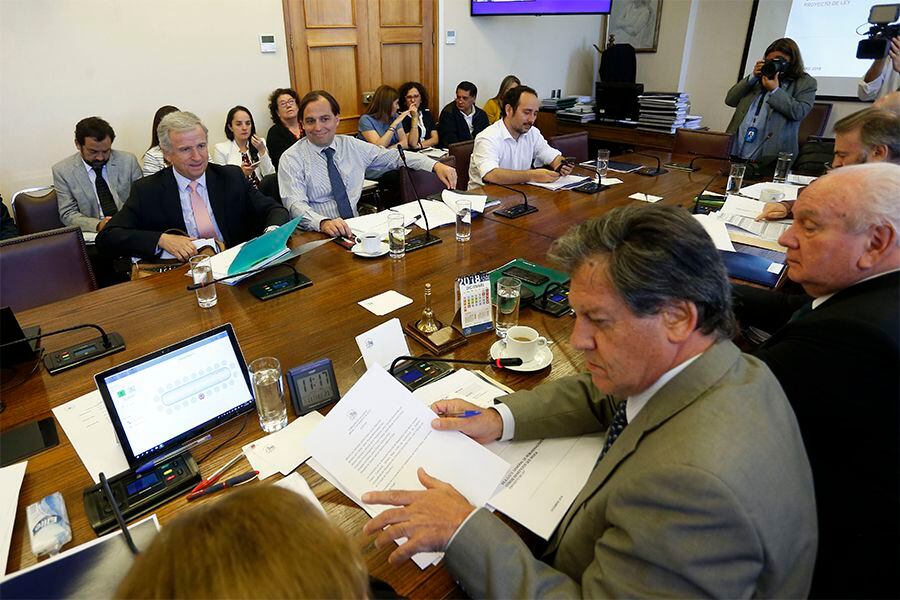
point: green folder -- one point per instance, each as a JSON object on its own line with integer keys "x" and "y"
{"x": 263, "y": 248}
{"x": 554, "y": 275}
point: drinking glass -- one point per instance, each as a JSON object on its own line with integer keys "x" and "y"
{"x": 265, "y": 374}
{"x": 396, "y": 235}
{"x": 782, "y": 167}
{"x": 602, "y": 162}
{"x": 463, "y": 220}
{"x": 201, "y": 272}
{"x": 735, "y": 179}
{"x": 508, "y": 292}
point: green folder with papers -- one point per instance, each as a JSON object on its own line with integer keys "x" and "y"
{"x": 263, "y": 248}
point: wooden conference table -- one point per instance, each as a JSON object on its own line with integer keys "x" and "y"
{"x": 316, "y": 322}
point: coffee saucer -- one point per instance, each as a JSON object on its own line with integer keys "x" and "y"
{"x": 542, "y": 358}
{"x": 357, "y": 250}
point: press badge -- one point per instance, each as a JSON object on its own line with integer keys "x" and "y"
{"x": 750, "y": 136}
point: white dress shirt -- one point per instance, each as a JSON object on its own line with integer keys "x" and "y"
{"x": 228, "y": 153}
{"x": 496, "y": 148}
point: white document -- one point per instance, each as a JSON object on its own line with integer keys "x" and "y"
{"x": 298, "y": 485}
{"x": 284, "y": 450}
{"x": 564, "y": 182}
{"x": 10, "y": 484}
{"x": 378, "y": 435}
{"x": 385, "y": 302}
{"x": 438, "y": 213}
{"x": 221, "y": 261}
{"x": 376, "y": 223}
{"x": 645, "y": 197}
{"x": 462, "y": 384}
{"x": 741, "y": 212}
{"x": 800, "y": 179}
{"x": 741, "y": 205}
{"x": 198, "y": 244}
{"x": 717, "y": 231}
{"x": 450, "y": 198}
{"x": 381, "y": 345}
{"x": 753, "y": 191}
{"x": 545, "y": 478}
{"x": 87, "y": 425}
{"x": 90, "y": 237}
{"x": 610, "y": 181}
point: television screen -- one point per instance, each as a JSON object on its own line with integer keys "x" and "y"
{"x": 540, "y": 7}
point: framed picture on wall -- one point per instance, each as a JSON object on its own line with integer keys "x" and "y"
{"x": 635, "y": 22}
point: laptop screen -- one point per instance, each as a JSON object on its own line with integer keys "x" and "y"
{"x": 161, "y": 400}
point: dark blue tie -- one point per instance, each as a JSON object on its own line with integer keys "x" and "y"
{"x": 620, "y": 420}
{"x": 801, "y": 312}
{"x": 337, "y": 185}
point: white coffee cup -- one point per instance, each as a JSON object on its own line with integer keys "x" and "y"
{"x": 370, "y": 242}
{"x": 771, "y": 195}
{"x": 522, "y": 342}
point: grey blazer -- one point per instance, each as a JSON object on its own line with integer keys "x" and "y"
{"x": 788, "y": 106}
{"x": 708, "y": 492}
{"x": 77, "y": 196}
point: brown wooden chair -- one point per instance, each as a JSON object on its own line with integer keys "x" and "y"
{"x": 815, "y": 122}
{"x": 715, "y": 144}
{"x": 424, "y": 182}
{"x": 572, "y": 144}
{"x": 462, "y": 153}
{"x": 35, "y": 209}
{"x": 44, "y": 267}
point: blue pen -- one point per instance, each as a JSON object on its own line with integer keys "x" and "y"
{"x": 462, "y": 415}
{"x": 170, "y": 455}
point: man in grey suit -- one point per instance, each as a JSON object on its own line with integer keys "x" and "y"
{"x": 92, "y": 184}
{"x": 703, "y": 487}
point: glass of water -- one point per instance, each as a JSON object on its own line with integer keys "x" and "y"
{"x": 782, "y": 167}
{"x": 508, "y": 291}
{"x": 735, "y": 179}
{"x": 201, "y": 272}
{"x": 602, "y": 162}
{"x": 463, "y": 220}
{"x": 396, "y": 235}
{"x": 265, "y": 374}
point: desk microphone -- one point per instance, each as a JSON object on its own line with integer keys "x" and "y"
{"x": 519, "y": 210}
{"x": 690, "y": 166}
{"x": 114, "y": 506}
{"x": 649, "y": 171}
{"x": 78, "y": 354}
{"x": 498, "y": 363}
{"x": 417, "y": 242}
{"x": 196, "y": 286}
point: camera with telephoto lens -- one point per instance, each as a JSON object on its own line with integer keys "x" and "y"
{"x": 773, "y": 67}
{"x": 881, "y": 17}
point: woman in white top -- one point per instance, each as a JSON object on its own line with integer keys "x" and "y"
{"x": 153, "y": 160}
{"x": 245, "y": 149}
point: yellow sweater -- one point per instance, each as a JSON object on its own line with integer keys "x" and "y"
{"x": 492, "y": 108}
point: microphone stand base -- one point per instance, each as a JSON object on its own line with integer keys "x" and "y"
{"x": 514, "y": 212}
{"x": 421, "y": 241}
{"x": 279, "y": 287}
{"x": 73, "y": 356}
{"x": 651, "y": 172}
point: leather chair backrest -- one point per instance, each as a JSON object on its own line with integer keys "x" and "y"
{"x": 44, "y": 267}
{"x": 424, "y": 182}
{"x": 36, "y": 210}
{"x": 462, "y": 152}
{"x": 814, "y": 123}
{"x": 572, "y": 144}
{"x": 707, "y": 143}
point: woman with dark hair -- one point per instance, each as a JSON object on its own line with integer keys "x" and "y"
{"x": 244, "y": 148}
{"x": 153, "y": 160}
{"x": 286, "y": 129}
{"x": 419, "y": 125}
{"x": 494, "y": 107}
{"x": 381, "y": 125}
{"x": 771, "y": 102}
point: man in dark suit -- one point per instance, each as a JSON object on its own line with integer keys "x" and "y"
{"x": 461, "y": 120}
{"x": 836, "y": 354}
{"x": 201, "y": 199}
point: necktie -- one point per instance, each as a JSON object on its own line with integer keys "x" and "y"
{"x": 107, "y": 204}
{"x": 800, "y": 312}
{"x": 254, "y": 180}
{"x": 620, "y": 420}
{"x": 204, "y": 224}
{"x": 337, "y": 185}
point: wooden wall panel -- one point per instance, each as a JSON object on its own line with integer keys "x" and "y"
{"x": 401, "y": 13}
{"x": 400, "y": 63}
{"x": 329, "y": 13}
{"x": 334, "y": 69}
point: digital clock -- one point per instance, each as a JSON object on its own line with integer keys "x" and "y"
{"x": 312, "y": 386}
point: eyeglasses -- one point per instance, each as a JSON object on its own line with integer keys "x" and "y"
{"x": 413, "y": 96}
{"x": 286, "y": 103}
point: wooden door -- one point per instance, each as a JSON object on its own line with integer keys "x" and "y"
{"x": 350, "y": 47}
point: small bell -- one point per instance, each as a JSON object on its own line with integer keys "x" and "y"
{"x": 428, "y": 324}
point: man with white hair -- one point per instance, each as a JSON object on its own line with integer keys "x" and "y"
{"x": 192, "y": 196}
{"x": 837, "y": 359}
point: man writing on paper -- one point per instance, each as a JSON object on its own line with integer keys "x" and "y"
{"x": 703, "y": 487}
{"x": 870, "y": 135}
{"x": 320, "y": 178}
{"x": 505, "y": 151}
{"x": 193, "y": 196}
{"x": 837, "y": 358}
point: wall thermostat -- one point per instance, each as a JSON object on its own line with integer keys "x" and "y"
{"x": 312, "y": 386}
{"x": 267, "y": 43}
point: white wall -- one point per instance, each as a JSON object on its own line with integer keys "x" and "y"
{"x": 62, "y": 60}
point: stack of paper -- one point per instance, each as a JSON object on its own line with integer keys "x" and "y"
{"x": 563, "y": 183}
{"x": 741, "y": 212}
{"x": 663, "y": 111}
{"x": 283, "y": 450}
{"x": 440, "y": 212}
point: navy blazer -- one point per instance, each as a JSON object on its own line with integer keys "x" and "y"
{"x": 240, "y": 210}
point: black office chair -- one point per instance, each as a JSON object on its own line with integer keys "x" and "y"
{"x": 425, "y": 183}
{"x": 462, "y": 154}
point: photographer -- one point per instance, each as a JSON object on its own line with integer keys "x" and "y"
{"x": 770, "y": 104}
{"x": 883, "y": 77}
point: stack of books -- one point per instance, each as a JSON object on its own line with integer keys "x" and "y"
{"x": 664, "y": 111}
{"x": 559, "y": 103}
{"x": 581, "y": 112}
